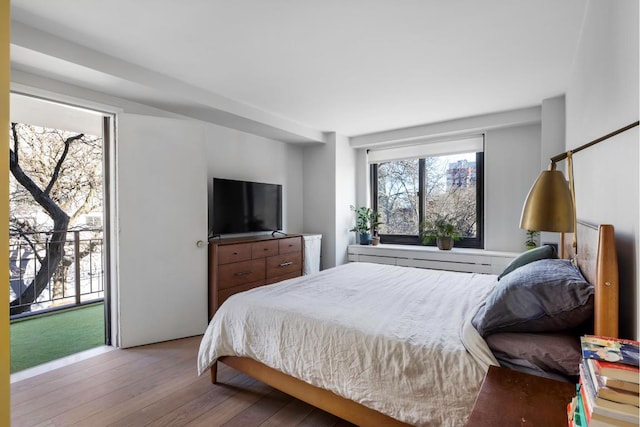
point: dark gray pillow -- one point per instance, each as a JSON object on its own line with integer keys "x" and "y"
{"x": 542, "y": 252}
{"x": 542, "y": 354}
{"x": 548, "y": 295}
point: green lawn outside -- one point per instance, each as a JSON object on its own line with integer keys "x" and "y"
{"x": 49, "y": 337}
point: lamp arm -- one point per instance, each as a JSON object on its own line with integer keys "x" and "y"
{"x": 572, "y": 190}
{"x": 564, "y": 155}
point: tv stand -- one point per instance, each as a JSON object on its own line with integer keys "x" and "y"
{"x": 273, "y": 233}
{"x": 237, "y": 264}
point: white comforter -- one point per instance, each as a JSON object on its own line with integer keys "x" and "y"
{"x": 387, "y": 337}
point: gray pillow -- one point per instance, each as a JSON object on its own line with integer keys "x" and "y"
{"x": 548, "y": 295}
{"x": 542, "y": 252}
{"x": 549, "y": 355}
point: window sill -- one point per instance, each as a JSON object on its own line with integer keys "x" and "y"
{"x": 457, "y": 259}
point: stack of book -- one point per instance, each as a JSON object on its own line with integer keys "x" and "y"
{"x": 609, "y": 387}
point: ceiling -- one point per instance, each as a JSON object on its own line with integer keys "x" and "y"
{"x": 307, "y": 67}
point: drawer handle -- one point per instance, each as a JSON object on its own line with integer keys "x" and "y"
{"x": 243, "y": 273}
{"x": 265, "y": 249}
{"x": 235, "y": 253}
{"x": 284, "y": 264}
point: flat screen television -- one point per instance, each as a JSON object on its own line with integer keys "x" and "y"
{"x": 243, "y": 206}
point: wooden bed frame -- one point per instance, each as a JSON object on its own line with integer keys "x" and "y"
{"x": 597, "y": 259}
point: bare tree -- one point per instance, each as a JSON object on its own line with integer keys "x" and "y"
{"x": 61, "y": 172}
{"x": 398, "y": 196}
{"x": 398, "y": 199}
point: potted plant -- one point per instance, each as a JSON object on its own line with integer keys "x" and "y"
{"x": 363, "y": 224}
{"x": 376, "y": 221}
{"x": 532, "y": 239}
{"x": 442, "y": 230}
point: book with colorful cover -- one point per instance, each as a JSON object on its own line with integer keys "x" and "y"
{"x": 605, "y": 392}
{"x": 620, "y": 384}
{"x": 602, "y": 421}
{"x": 603, "y": 407}
{"x": 597, "y": 419}
{"x": 575, "y": 414}
{"x": 579, "y": 417}
{"x": 616, "y": 371}
{"x": 588, "y": 410}
{"x": 615, "y": 350}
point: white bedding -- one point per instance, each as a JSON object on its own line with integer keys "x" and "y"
{"x": 387, "y": 337}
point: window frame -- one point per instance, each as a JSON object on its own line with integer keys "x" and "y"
{"x": 402, "y": 239}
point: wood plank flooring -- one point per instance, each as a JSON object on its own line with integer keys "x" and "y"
{"x": 155, "y": 385}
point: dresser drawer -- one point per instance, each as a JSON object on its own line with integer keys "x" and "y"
{"x": 264, "y": 249}
{"x": 240, "y": 272}
{"x": 284, "y": 264}
{"x": 290, "y": 245}
{"x": 233, "y": 253}
{"x": 238, "y": 264}
{"x": 277, "y": 279}
{"x": 223, "y": 294}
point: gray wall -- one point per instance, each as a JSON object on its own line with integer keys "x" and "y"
{"x": 552, "y": 143}
{"x": 232, "y": 154}
{"x": 511, "y": 167}
{"x": 329, "y": 189}
{"x": 345, "y": 196}
{"x": 603, "y": 96}
{"x": 319, "y": 197}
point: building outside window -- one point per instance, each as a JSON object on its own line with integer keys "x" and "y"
{"x": 411, "y": 185}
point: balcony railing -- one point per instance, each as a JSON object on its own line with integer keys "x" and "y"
{"x": 78, "y": 279}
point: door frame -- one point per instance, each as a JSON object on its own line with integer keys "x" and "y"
{"x": 109, "y": 290}
{"x": 108, "y": 190}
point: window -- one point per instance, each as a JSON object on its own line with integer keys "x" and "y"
{"x": 439, "y": 179}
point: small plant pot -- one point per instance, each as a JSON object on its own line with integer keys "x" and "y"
{"x": 375, "y": 240}
{"x": 444, "y": 243}
{"x": 365, "y": 238}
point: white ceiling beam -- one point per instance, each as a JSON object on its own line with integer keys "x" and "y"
{"x": 190, "y": 101}
{"x": 450, "y": 128}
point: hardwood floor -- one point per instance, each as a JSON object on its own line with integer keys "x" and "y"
{"x": 155, "y": 385}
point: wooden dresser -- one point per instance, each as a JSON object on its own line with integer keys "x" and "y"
{"x": 240, "y": 264}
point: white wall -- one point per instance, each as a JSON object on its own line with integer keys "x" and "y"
{"x": 329, "y": 190}
{"x": 552, "y": 143}
{"x": 237, "y": 155}
{"x": 553, "y": 130}
{"x": 319, "y": 171}
{"x": 602, "y": 97}
{"x": 345, "y": 196}
{"x": 511, "y": 166}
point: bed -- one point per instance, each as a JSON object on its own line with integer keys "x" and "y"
{"x": 386, "y": 345}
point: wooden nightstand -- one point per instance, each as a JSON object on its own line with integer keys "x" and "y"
{"x": 511, "y": 398}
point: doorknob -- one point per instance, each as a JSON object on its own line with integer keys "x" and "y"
{"x": 199, "y": 243}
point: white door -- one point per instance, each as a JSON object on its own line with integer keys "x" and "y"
{"x": 162, "y": 229}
